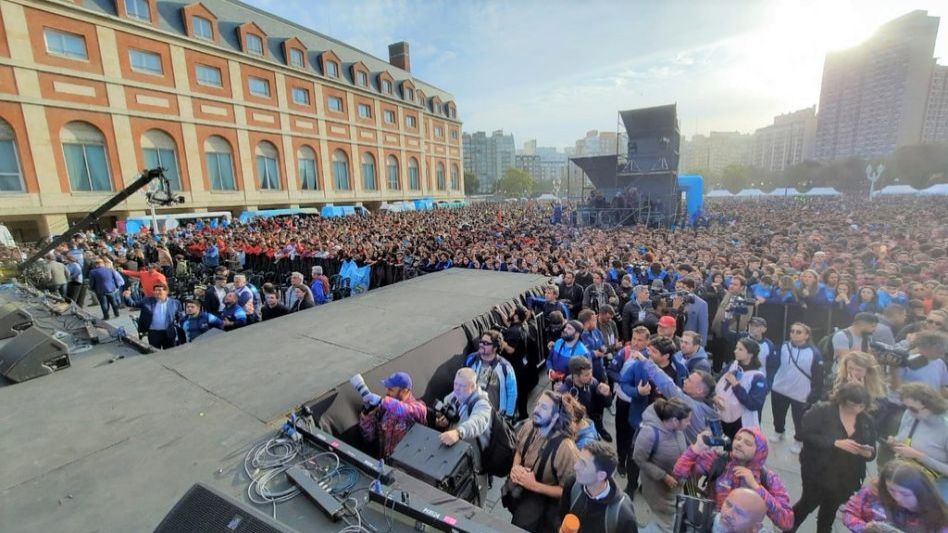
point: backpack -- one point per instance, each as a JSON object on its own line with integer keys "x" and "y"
{"x": 828, "y": 354}
{"x": 611, "y": 517}
{"x": 498, "y": 456}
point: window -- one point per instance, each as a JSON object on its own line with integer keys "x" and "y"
{"x": 335, "y": 104}
{"x": 362, "y": 80}
{"x": 439, "y": 131}
{"x": 389, "y": 117}
{"x": 268, "y": 173}
{"x": 160, "y": 150}
{"x": 365, "y": 111}
{"x": 220, "y": 164}
{"x": 386, "y": 87}
{"x": 138, "y": 9}
{"x": 410, "y": 121}
{"x": 11, "y": 178}
{"x": 301, "y": 96}
{"x": 209, "y": 76}
{"x": 254, "y": 44}
{"x": 368, "y": 172}
{"x": 454, "y": 134}
{"x": 296, "y": 58}
{"x": 455, "y": 178}
{"x": 86, "y": 161}
{"x": 440, "y": 173}
{"x": 307, "y": 168}
{"x": 66, "y": 44}
{"x": 147, "y": 62}
{"x": 332, "y": 69}
{"x": 202, "y": 28}
{"x": 436, "y": 108}
{"x": 259, "y": 87}
{"x": 340, "y": 170}
{"x": 410, "y": 94}
{"x": 391, "y": 167}
{"x": 413, "y": 182}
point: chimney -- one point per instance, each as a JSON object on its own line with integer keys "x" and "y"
{"x": 398, "y": 56}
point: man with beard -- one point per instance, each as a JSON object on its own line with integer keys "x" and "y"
{"x": 495, "y": 375}
{"x": 544, "y": 461}
{"x": 571, "y": 293}
{"x": 564, "y": 349}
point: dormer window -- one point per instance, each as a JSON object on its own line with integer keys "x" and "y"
{"x": 332, "y": 69}
{"x": 362, "y": 80}
{"x": 138, "y": 9}
{"x": 202, "y": 28}
{"x": 254, "y": 44}
{"x": 386, "y": 87}
{"x": 296, "y": 58}
{"x": 410, "y": 94}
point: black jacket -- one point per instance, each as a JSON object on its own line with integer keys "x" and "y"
{"x": 630, "y": 317}
{"x": 574, "y": 295}
{"x": 821, "y": 461}
{"x": 211, "y": 303}
{"x": 592, "y": 513}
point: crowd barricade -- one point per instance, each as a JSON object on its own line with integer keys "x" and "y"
{"x": 278, "y": 271}
{"x": 821, "y": 320}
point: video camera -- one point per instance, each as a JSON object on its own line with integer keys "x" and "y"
{"x": 739, "y": 305}
{"x": 890, "y": 355}
{"x": 449, "y": 411}
{"x": 658, "y": 295}
{"x": 717, "y": 438}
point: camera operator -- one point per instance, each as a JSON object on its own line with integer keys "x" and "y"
{"x": 742, "y": 466}
{"x": 690, "y": 307}
{"x": 385, "y": 421}
{"x": 467, "y": 412}
{"x": 731, "y": 318}
{"x": 931, "y": 345}
{"x": 599, "y": 293}
{"x": 637, "y": 312}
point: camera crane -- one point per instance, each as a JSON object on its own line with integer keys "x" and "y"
{"x": 162, "y": 195}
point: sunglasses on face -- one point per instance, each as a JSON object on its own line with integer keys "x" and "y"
{"x": 485, "y": 343}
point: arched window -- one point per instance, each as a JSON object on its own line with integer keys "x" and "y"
{"x": 268, "y": 168}
{"x": 413, "y": 182}
{"x": 11, "y": 177}
{"x": 455, "y": 178}
{"x": 159, "y": 150}
{"x": 368, "y": 172}
{"x": 306, "y": 158}
{"x": 439, "y": 169}
{"x": 220, "y": 164}
{"x": 86, "y": 160}
{"x": 340, "y": 170}
{"x": 391, "y": 167}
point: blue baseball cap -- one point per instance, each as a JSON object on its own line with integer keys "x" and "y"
{"x": 399, "y": 379}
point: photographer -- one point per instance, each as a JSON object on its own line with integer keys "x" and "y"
{"x": 743, "y": 466}
{"x": 467, "y": 412}
{"x": 691, "y": 307}
{"x": 932, "y": 346}
{"x": 731, "y": 318}
{"x": 385, "y": 421}
{"x": 599, "y": 293}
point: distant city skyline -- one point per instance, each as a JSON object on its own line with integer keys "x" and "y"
{"x": 554, "y": 70}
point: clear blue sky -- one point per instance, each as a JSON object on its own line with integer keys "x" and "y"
{"x": 553, "y": 69}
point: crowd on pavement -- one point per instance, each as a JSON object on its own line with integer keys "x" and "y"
{"x": 662, "y": 326}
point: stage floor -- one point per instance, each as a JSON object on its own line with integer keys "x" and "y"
{"x": 112, "y": 446}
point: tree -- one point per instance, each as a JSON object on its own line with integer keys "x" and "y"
{"x": 472, "y": 185}
{"x": 737, "y": 177}
{"x": 516, "y": 183}
{"x": 918, "y": 165}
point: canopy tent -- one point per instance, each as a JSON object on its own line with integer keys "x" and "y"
{"x": 747, "y": 193}
{"x": 940, "y": 189}
{"x": 892, "y": 190}
{"x": 719, "y": 193}
{"x": 821, "y": 191}
{"x": 269, "y": 213}
{"x": 336, "y": 211}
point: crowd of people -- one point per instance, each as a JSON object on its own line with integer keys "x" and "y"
{"x": 662, "y": 326}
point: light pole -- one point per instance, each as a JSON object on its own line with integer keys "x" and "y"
{"x": 873, "y": 176}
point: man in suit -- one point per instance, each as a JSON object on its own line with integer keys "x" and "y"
{"x": 159, "y": 317}
{"x": 694, "y": 314}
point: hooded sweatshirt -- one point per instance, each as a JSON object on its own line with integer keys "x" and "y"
{"x": 592, "y": 512}
{"x": 692, "y": 465}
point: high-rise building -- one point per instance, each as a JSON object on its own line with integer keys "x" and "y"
{"x": 530, "y": 147}
{"x": 552, "y": 163}
{"x": 711, "y": 154}
{"x": 600, "y": 143}
{"x": 488, "y": 157}
{"x": 531, "y": 164}
{"x": 245, "y": 110}
{"x": 935, "y": 129}
{"x": 873, "y": 96}
{"x": 787, "y": 142}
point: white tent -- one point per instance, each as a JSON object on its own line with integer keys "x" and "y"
{"x": 822, "y": 191}
{"x": 719, "y": 193}
{"x": 748, "y": 193}
{"x": 891, "y": 190}
{"x": 786, "y": 191}
{"x": 940, "y": 189}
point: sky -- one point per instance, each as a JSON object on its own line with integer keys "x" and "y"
{"x": 551, "y": 70}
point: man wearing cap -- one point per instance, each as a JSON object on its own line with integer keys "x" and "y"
{"x": 386, "y": 420}
{"x": 666, "y": 328}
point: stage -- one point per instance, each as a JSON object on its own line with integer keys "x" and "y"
{"x": 106, "y": 446}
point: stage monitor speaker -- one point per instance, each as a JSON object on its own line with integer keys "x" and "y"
{"x": 421, "y": 455}
{"x": 13, "y": 320}
{"x": 206, "y": 510}
{"x": 31, "y": 354}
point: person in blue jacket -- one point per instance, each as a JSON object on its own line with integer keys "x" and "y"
{"x": 495, "y": 375}
{"x": 549, "y": 302}
{"x": 197, "y": 322}
{"x": 105, "y": 283}
{"x": 159, "y": 317}
{"x": 233, "y": 314}
{"x": 564, "y": 349}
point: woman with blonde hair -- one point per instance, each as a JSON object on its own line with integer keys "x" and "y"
{"x": 861, "y": 368}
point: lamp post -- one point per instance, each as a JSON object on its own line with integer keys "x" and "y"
{"x": 873, "y": 176}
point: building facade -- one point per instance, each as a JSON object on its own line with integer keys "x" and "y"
{"x": 711, "y": 154}
{"x": 935, "y": 128}
{"x": 488, "y": 157}
{"x": 788, "y": 141}
{"x": 531, "y": 164}
{"x": 244, "y": 109}
{"x": 873, "y": 96}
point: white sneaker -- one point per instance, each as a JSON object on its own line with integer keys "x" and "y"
{"x": 777, "y": 437}
{"x": 796, "y": 447}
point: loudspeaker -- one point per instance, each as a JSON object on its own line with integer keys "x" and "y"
{"x": 421, "y": 455}
{"x": 13, "y": 320}
{"x": 31, "y": 354}
{"x": 206, "y": 510}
